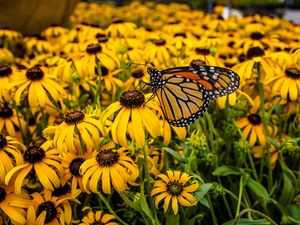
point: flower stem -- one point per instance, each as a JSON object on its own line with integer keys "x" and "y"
{"x": 265, "y": 122}
{"x": 101, "y": 196}
{"x": 237, "y": 218}
{"x": 240, "y": 196}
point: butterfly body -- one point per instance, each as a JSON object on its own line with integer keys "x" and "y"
{"x": 185, "y": 92}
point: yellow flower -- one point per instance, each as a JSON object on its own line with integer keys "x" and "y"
{"x": 10, "y": 122}
{"x": 287, "y": 85}
{"x": 40, "y": 86}
{"x": 108, "y": 167}
{"x": 110, "y": 81}
{"x": 13, "y": 205}
{"x": 94, "y": 58}
{"x": 71, "y": 162}
{"x": 10, "y": 154}
{"x": 5, "y": 78}
{"x": 53, "y": 34}
{"x": 204, "y": 55}
{"x": 43, "y": 161}
{"x": 137, "y": 75}
{"x": 260, "y": 151}
{"x": 252, "y": 125}
{"x": 76, "y": 126}
{"x": 166, "y": 132}
{"x": 134, "y": 114}
{"x": 36, "y": 46}
{"x": 248, "y": 70}
{"x": 98, "y": 217}
{"x": 172, "y": 188}
{"x": 159, "y": 53}
{"x": 48, "y": 209}
{"x": 120, "y": 28}
{"x": 6, "y": 56}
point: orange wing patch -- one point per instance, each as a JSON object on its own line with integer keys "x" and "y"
{"x": 195, "y": 77}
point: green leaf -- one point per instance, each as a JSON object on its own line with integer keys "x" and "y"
{"x": 226, "y": 170}
{"x": 258, "y": 189}
{"x": 174, "y": 153}
{"x": 245, "y": 221}
{"x": 295, "y": 211}
{"x": 201, "y": 194}
{"x": 83, "y": 98}
{"x": 143, "y": 204}
{"x": 289, "y": 184}
{"x": 172, "y": 219}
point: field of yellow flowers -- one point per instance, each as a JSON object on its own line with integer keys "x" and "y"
{"x": 84, "y": 141}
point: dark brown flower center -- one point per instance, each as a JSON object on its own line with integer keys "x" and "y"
{"x": 132, "y": 99}
{"x": 97, "y": 223}
{"x": 254, "y": 119}
{"x": 180, "y": 34}
{"x": 255, "y": 52}
{"x": 2, "y": 194}
{"x": 34, "y": 154}
{"x": 104, "y": 71}
{"x": 138, "y": 74}
{"x": 62, "y": 190}
{"x": 107, "y": 158}
{"x": 202, "y": 51}
{"x": 292, "y": 73}
{"x": 93, "y": 48}
{"x": 49, "y": 207}
{"x": 174, "y": 188}
{"x": 256, "y": 35}
{"x": 74, "y": 117}
{"x": 159, "y": 42}
{"x": 3, "y": 141}
{"x": 75, "y": 166}
{"x": 5, "y": 70}
{"x": 6, "y": 111}
{"x": 118, "y": 21}
{"x": 242, "y": 57}
{"x": 231, "y": 44}
{"x": 34, "y": 73}
{"x": 174, "y": 22}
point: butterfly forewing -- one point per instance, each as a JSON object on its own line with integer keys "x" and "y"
{"x": 217, "y": 81}
{"x": 185, "y": 92}
{"x": 182, "y": 100}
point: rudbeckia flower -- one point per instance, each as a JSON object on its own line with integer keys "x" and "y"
{"x": 6, "y": 56}
{"x": 36, "y": 46}
{"x": 10, "y": 122}
{"x": 10, "y": 154}
{"x": 94, "y": 58}
{"x": 287, "y": 85}
{"x": 5, "y": 79}
{"x": 109, "y": 168}
{"x": 159, "y": 53}
{"x": 203, "y": 55}
{"x": 137, "y": 75}
{"x": 76, "y": 126}
{"x": 53, "y": 34}
{"x": 71, "y": 162}
{"x": 260, "y": 151}
{"x": 120, "y": 28}
{"x": 40, "y": 86}
{"x": 174, "y": 190}
{"x": 43, "y": 161}
{"x": 110, "y": 80}
{"x": 14, "y": 205}
{"x": 133, "y": 115}
{"x": 252, "y": 125}
{"x": 248, "y": 69}
{"x": 98, "y": 217}
{"x": 48, "y": 209}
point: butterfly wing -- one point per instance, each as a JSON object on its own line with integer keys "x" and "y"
{"x": 217, "y": 81}
{"x": 182, "y": 99}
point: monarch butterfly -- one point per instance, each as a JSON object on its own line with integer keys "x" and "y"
{"x": 185, "y": 92}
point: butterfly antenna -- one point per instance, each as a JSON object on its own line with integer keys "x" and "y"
{"x": 149, "y": 99}
{"x": 140, "y": 64}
